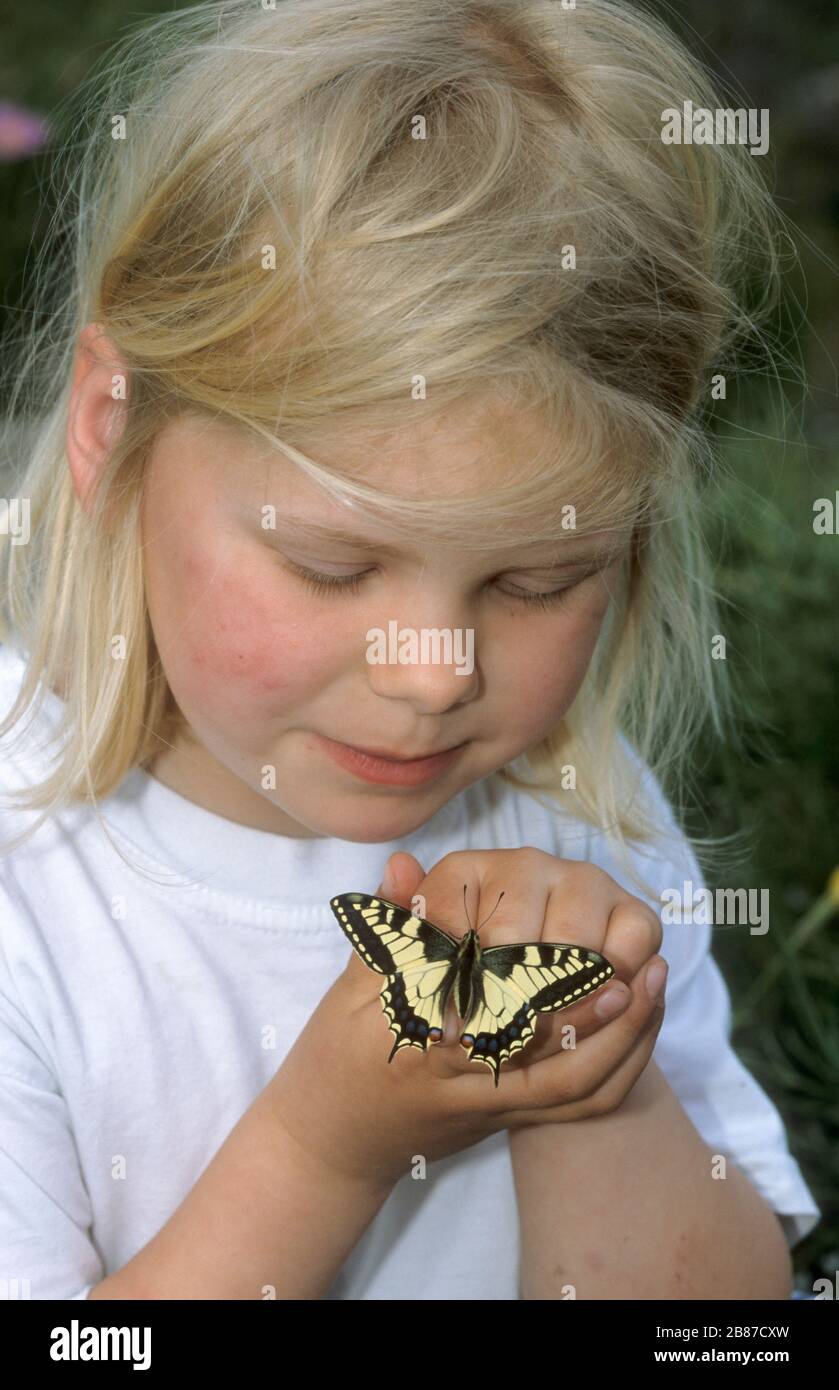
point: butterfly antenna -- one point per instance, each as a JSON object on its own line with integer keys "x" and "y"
{"x": 486, "y": 919}
{"x": 465, "y": 908}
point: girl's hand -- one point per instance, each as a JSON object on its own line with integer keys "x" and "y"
{"x": 352, "y": 1111}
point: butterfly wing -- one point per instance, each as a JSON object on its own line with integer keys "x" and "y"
{"x": 519, "y": 981}
{"x": 417, "y": 958}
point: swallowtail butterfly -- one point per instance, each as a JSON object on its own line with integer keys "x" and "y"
{"x": 497, "y": 992}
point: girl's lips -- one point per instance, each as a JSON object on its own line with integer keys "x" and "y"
{"x": 384, "y": 770}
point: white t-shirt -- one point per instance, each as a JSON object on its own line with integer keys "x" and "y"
{"x": 134, "y": 1017}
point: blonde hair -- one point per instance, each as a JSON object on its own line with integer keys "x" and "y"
{"x": 443, "y": 259}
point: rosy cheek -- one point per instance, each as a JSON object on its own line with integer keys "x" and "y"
{"x": 255, "y": 636}
{"x": 551, "y": 671}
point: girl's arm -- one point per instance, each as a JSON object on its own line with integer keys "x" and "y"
{"x": 265, "y": 1219}
{"x": 624, "y": 1206}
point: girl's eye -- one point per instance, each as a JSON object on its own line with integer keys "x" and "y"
{"x": 549, "y": 600}
{"x": 329, "y": 583}
{"x": 351, "y": 583}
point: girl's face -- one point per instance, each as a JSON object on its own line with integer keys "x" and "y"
{"x": 271, "y": 676}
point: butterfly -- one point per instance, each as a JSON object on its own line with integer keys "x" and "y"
{"x": 497, "y": 991}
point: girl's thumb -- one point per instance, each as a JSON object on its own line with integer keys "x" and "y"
{"x": 388, "y": 883}
{"x": 404, "y": 877}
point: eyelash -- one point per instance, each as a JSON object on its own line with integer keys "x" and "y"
{"x": 346, "y": 585}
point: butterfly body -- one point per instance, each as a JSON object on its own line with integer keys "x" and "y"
{"x": 467, "y": 976}
{"x": 497, "y": 991}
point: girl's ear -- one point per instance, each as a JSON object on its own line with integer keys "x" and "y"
{"x": 96, "y": 417}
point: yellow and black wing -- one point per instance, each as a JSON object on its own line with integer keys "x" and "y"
{"x": 417, "y": 958}
{"x": 518, "y": 981}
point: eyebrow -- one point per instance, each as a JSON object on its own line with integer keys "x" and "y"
{"x": 312, "y": 530}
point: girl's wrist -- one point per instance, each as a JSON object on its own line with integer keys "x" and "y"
{"x": 320, "y": 1155}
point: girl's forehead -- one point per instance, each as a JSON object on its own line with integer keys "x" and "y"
{"x": 349, "y": 526}
{"x": 465, "y": 465}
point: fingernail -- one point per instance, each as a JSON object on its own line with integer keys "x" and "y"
{"x": 611, "y": 1003}
{"x": 386, "y": 886}
{"x": 655, "y": 978}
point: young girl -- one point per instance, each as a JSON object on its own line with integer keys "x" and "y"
{"x": 385, "y": 320}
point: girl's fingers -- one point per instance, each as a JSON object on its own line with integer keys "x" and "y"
{"x": 611, "y": 1093}
{"x": 582, "y": 1071}
{"x": 574, "y": 1074}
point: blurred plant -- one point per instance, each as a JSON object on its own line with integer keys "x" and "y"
{"x": 790, "y": 944}
{"x": 22, "y": 132}
{"x": 774, "y": 791}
